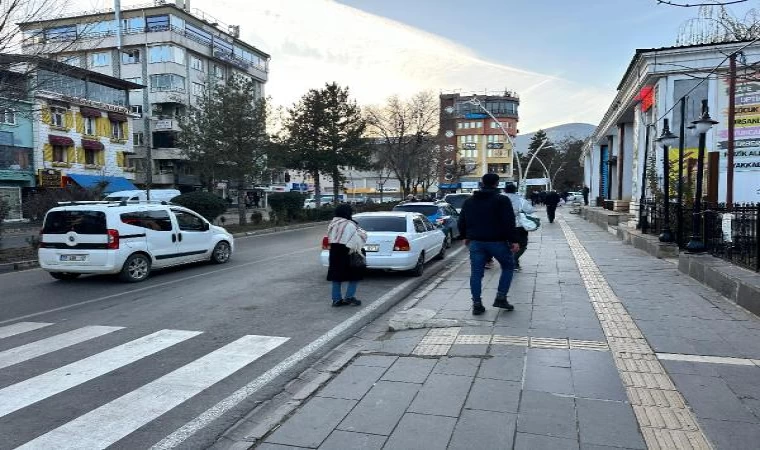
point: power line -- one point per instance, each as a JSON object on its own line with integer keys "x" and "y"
{"x": 694, "y": 5}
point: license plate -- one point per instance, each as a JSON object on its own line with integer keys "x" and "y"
{"x": 372, "y": 248}
{"x": 73, "y": 257}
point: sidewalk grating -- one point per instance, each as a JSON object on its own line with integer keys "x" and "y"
{"x": 665, "y": 421}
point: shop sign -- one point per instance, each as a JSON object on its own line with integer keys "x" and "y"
{"x": 82, "y": 101}
{"x": 49, "y": 178}
{"x": 469, "y": 146}
{"x": 164, "y": 124}
{"x": 494, "y": 145}
{"x": 470, "y": 185}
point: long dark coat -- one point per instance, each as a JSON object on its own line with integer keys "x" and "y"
{"x": 340, "y": 269}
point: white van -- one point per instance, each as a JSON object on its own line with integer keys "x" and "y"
{"x": 136, "y": 196}
{"x": 129, "y": 240}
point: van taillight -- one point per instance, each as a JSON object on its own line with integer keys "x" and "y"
{"x": 401, "y": 244}
{"x": 113, "y": 240}
{"x": 325, "y": 243}
{"x": 41, "y": 244}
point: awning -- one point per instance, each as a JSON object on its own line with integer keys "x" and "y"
{"x": 117, "y": 117}
{"x": 91, "y": 144}
{"x": 114, "y": 183}
{"x": 89, "y": 112}
{"x": 63, "y": 141}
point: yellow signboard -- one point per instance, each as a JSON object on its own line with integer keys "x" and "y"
{"x": 49, "y": 178}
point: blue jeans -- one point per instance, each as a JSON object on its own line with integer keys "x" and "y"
{"x": 350, "y": 290}
{"x": 480, "y": 253}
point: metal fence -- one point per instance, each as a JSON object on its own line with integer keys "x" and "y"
{"x": 730, "y": 235}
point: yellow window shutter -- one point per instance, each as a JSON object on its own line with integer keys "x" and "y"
{"x": 68, "y": 119}
{"x": 80, "y": 123}
{"x": 47, "y": 152}
{"x": 102, "y": 158}
{"x": 71, "y": 154}
{"x": 80, "y": 155}
{"x": 120, "y": 159}
{"x": 45, "y": 115}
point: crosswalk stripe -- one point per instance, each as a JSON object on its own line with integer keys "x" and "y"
{"x": 48, "y": 345}
{"x": 113, "y": 421}
{"x": 33, "y": 390}
{"x": 21, "y": 327}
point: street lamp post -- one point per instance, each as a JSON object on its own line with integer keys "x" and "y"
{"x": 515, "y": 160}
{"x": 701, "y": 126}
{"x": 666, "y": 139}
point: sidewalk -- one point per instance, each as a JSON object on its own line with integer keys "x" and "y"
{"x": 608, "y": 356}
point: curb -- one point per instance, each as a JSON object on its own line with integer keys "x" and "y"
{"x": 279, "y": 229}
{"x": 268, "y": 415}
{"x": 18, "y": 266}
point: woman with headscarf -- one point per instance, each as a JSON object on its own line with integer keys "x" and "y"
{"x": 345, "y": 237}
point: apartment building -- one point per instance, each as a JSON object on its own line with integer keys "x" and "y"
{"x": 175, "y": 51}
{"x": 473, "y": 134}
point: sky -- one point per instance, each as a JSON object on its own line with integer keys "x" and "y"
{"x": 564, "y": 58}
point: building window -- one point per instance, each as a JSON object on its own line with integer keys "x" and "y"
{"x": 138, "y": 138}
{"x": 6, "y": 138}
{"x": 218, "y": 71}
{"x": 498, "y": 168}
{"x": 72, "y": 60}
{"x": 495, "y": 138}
{"x": 66, "y": 32}
{"x": 130, "y": 56}
{"x": 460, "y": 125}
{"x": 89, "y": 156}
{"x": 89, "y": 126}
{"x": 478, "y": 124}
{"x": 117, "y": 132}
{"x": 469, "y": 153}
{"x": 136, "y": 109}
{"x": 100, "y": 59}
{"x": 59, "y": 153}
{"x": 196, "y": 63}
{"x": 157, "y": 23}
{"x": 8, "y": 116}
{"x": 167, "y": 82}
{"x": 166, "y": 53}
{"x": 136, "y": 80}
{"x": 198, "y": 89}
{"x": 57, "y": 117}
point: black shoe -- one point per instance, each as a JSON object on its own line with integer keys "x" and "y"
{"x": 477, "y": 308}
{"x": 336, "y": 303}
{"x": 517, "y": 267}
{"x": 503, "y": 303}
{"x": 352, "y": 301}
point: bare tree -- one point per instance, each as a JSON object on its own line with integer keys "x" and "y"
{"x": 716, "y": 24}
{"x": 406, "y": 131}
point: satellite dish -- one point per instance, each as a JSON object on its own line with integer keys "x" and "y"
{"x": 449, "y": 109}
{"x": 449, "y": 133}
{"x": 448, "y": 162}
{"x": 448, "y": 177}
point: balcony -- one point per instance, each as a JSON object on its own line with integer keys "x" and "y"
{"x": 168, "y": 124}
{"x": 16, "y": 163}
{"x": 163, "y": 178}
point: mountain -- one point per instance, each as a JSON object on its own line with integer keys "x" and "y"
{"x": 555, "y": 134}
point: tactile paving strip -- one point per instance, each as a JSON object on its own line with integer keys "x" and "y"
{"x": 660, "y": 410}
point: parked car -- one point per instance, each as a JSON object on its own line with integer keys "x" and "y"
{"x": 397, "y": 241}
{"x": 574, "y": 197}
{"x": 456, "y": 200}
{"x": 132, "y": 240}
{"x": 439, "y": 213}
{"x": 136, "y": 196}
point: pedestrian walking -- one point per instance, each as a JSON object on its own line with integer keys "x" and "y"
{"x": 585, "y": 194}
{"x": 552, "y": 200}
{"x": 345, "y": 238}
{"x": 519, "y": 205}
{"x": 487, "y": 224}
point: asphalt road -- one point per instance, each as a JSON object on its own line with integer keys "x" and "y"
{"x": 128, "y": 364}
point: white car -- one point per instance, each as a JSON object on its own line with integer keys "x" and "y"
{"x": 127, "y": 239}
{"x": 456, "y": 200}
{"x": 574, "y": 197}
{"x": 311, "y": 203}
{"x": 397, "y": 241}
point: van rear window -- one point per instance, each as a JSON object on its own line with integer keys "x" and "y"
{"x": 81, "y": 222}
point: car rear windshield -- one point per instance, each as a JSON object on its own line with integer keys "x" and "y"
{"x": 392, "y": 224}
{"x": 425, "y": 210}
{"x": 456, "y": 200}
{"x": 81, "y": 222}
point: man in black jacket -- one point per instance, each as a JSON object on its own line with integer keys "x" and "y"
{"x": 552, "y": 200}
{"x": 487, "y": 224}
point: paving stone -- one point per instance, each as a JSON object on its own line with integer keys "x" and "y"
{"x": 342, "y": 440}
{"x": 409, "y": 370}
{"x": 689, "y": 368}
{"x": 608, "y": 423}
{"x": 375, "y": 360}
{"x": 548, "y": 357}
{"x": 442, "y": 395}
{"x": 731, "y": 435}
{"x": 268, "y": 446}
{"x": 484, "y": 430}
{"x": 494, "y": 395}
{"x": 547, "y": 414}
{"x": 595, "y": 376}
{"x": 423, "y": 432}
{"x": 353, "y": 382}
{"x": 468, "y": 350}
{"x": 399, "y": 346}
{"x": 525, "y": 441}
{"x": 508, "y": 368}
{"x": 381, "y": 409}
{"x": 313, "y": 422}
{"x": 558, "y": 380}
{"x": 457, "y": 366}
{"x": 710, "y": 398}
{"x": 586, "y": 334}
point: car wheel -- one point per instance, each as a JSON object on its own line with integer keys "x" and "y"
{"x": 449, "y": 239}
{"x": 441, "y": 254}
{"x": 221, "y": 253}
{"x": 136, "y": 268}
{"x": 419, "y": 269}
{"x": 64, "y": 275}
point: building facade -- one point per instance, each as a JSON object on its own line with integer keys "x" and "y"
{"x": 651, "y": 90}
{"x": 62, "y": 125}
{"x": 473, "y": 142}
{"x": 176, "y": 52}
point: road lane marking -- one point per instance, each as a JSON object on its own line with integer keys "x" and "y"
{"x": 178, "y": 437}
{"x": 21, "y": 327}
{"x": 54, "y": 343}
{"x": 155, "y": 286}
{"x": 33, "y": 390}
{"x": 113, "y": 421}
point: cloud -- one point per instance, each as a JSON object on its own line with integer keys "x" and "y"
{"x": 317, "y": 41}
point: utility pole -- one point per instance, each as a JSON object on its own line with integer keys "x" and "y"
{"x": 731, "y": 118}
